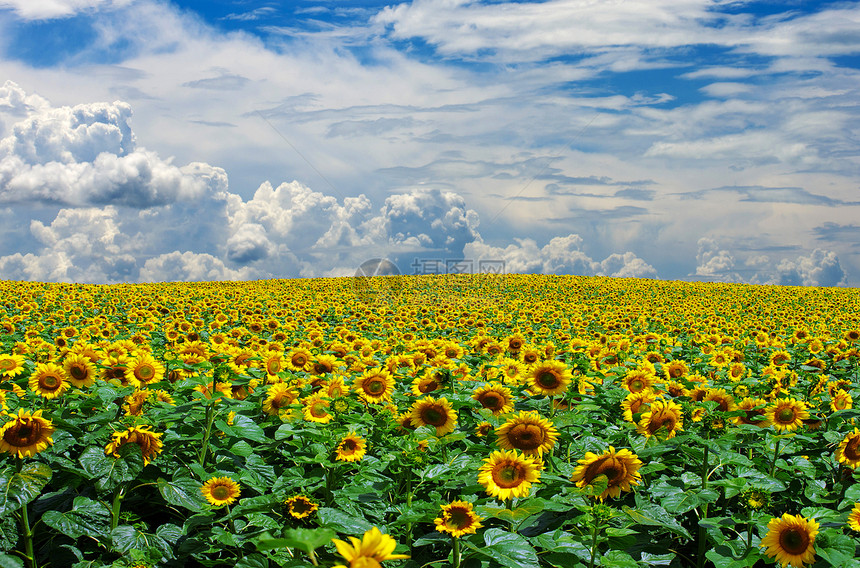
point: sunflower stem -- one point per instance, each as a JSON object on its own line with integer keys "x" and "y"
{"x": 26, "y": 531}
{"x": 775, "y": 456}
{"x": 456, "y": 551}
{"x": 409, "y": 507}
{"x": 594, "y": 532}
{"x": 115, "y": 506}
{"x": 703, "y": 533}
{"x": 210, "y": 419}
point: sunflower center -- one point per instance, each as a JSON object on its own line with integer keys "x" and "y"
{"x": 548, "y": 380}
{"x": 637, "y": 385}
{"x": 221, "y": 492}
{"x": 526, "y": 437}
{"x": 273, "y": 366}
{"x": 851, "y": 448}
{"x": 429, "y": 386}
{"x": 374, "y": 387}
{"x": 144, "y": 373}
{"x": 794, "y": 540}
{"x": 299, "y": 360}
{"x": 785, "y": 416}
{"x": 491, "y": 400}
{"x": 508, "y": 475}
{"x": 78, "y": 373}
{"x": 50, "y": 382}
{"x": 7, "y": 364}
{"x": 301, "y": 507}
{"x": 319, "y": 410}
{"x": 24, "y": 434}
{"x": 434, "y": 415}
{"x": 457, "y": 518}
{"x": 348, "y": 447}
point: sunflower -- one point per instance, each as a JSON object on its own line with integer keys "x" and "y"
{"x": 637, "y": 381}
{"x": 301, "y": 506}
{"x": 621, "y": 469}
{"x": 26, "y": 434}
{"x": 352, "y": 447}
{"x": 495, "y": 397}
{"x": 457, "y": 519}
{"x": 299, "y": 359}
{"x": 754, "y": 408}
{"x": 675, "y": 370}
{"x": 11, "y": 365}
{"x": 432, "y": 412}
{"x": 278, "y": 398}
{"x": 854, "y": 518}
{"x": 790, "y": 540}
{"x": 787, "y": 414}
{"x": 725, "y": 401}
{"x": 134, "y": 402}
{"x": 374, "y": 385}
{"x": 663, "y": 418}
{"x": 779, "y": 358}
{"x": 220, "y": 491}
{"x": 316, "y": 409}
{"x": 483, "y": 429}
{"x": 49, "y": 380}
{"x": 80, "y": 370}
{"x": 143, "y": 369}
{"x": 373, "y": 548}
{"x": 841, "y": 400}
{"x": 549, "y": 378}
{"x": 636, "y": 403}
{"x": 527, "y": 432}
{"x": 507, "y": 474}
{"x": 848, "y": 451}
{"x": 273, "y": 363}
{"x": 148, "y": 441}
{"x": 429, "y": 381}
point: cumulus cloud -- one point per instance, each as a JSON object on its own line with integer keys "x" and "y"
{"x": 820, "y": 268}
{"x": 561, "y": 255}
{"x": 190, "y": 267}
{"x": 87, "y": 155}
{"x": 48, "y": 9}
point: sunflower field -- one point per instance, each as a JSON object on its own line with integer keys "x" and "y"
{"x": 417, "y": 421}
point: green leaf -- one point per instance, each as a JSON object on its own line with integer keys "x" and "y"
{"x": 87, "y": 518}
{"x": 182, "y": 492}
{"x": 252, "y": 561}
{"x": 19, "y": 488}
{"x": 126, "y": 537}
{"x": 8, "y": 561}
{"x": 508, "y": 549}
{"x": 656, "y": 516}
{"x": 246, "y": 428}
{"x": 342, "y": 522}
{"x": 513, "y": 515}
{"x": 110, "y": 471}
{"x": 618, "y": 559}
{"x": 307, "y": 540}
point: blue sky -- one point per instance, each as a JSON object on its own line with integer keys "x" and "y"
{"x": 145, "y": 140}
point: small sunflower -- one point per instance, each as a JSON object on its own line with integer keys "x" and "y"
{"x": 549, "y": 378}
{"x": 434, "y": 412}
{"x": 134, "y": 402}
{"x": 527, "y": 432}
{"x": 621, "y": 470}
{"x": 148, "y": 441}
{"x": 351, "y": 448}
{"x": 495, "y": 397}
{"x": 278, "y": 398}
{"x": 26, "y": 434}
{"x": 790, "y": 540}
{"x": 848, "y": 451}
{"x": 429, "y": 381}
{"x": 854, "y": 518}
{"x": 754, "y": 408}
{"x": 636, "y": 403}
{"x": 787, "y": 414}
{"x": 507, "y": 474}
{"x": 841, "y": 400}
{"x": 674, "y": 370}
{"x": 373, "y": 548}
{"x": 143, "y": 369}
{"x": 483, "y": 429}
{"x": 49, "y": 380}
{"x": 663, "y": 418}
{"x": 457, "y": 518}
{"x": 374, "y": 385}
{"x": 11, "y": 365}
{"x": 80, "y": 370}
{"x": 637, "y": 381}
{"x": 301, "y": 506}
{"x": 221, "y": 491}
{"x": 316, "y": 409}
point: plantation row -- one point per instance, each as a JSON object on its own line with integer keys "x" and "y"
{"x": 480, "y": 421}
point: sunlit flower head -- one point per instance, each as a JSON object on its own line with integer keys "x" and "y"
{"x": 549, "y": 378}
{"x": 848, "y": 451}
{"x": 351, "y": 448}
{"x": 220, "y": 491}
{"x": 527, "y": 432}
{"x": 507, "y": 474}
{"x": 149, "y": 442}
{"x": 301, "y": 506}
{"x": 373, "y": 548}
{"x": 621, "y": 470}
{"x": 457, "y": 519}
{"x": 663, "y": 419}
{"x": 787, "y": 414}
{"x": 495, "y": 397}
{"x": 437, "y": 413}
{"x": 790, "y": 540}
{"x": 26, "y": 434}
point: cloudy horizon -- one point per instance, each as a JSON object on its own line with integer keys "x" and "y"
{"x": 147, "y": 140}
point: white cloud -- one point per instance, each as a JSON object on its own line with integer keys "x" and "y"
{"x": 47, "y": 9}
{"x": 189, "y": 267}
{"x": 820, "y": 268}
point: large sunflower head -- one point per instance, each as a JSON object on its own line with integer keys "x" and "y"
{"x": 621, "y": 470}
{"x": 637, "y": 380}
{"x": 26, "y": 434}
{"x": 220, "y": 491}
{"x": 351, "y": 448}
{"x": 373, "y": 548}
{"x": 549, "y": 378}
{"x": 49, "y": 380}
{"x": 430, "y": 380}
{"x": 507, "y": 474}
{"x": 457, "y": 519}
{"x": 143, "y": 369}
{"x": 279, "y": 397}
{"x": 495, "y": 397}
{"x": 841, "y": 400}
{"x": 636, "y": 402}
{"x": 527, "y": 432}
{"x": 316, "y": 408}
{"x": 300, "y": 506}
{"x": 790, "y": 540}
{"x": 148, "y": 441}
{"x": 663, "y": 419}
{"x": 848, "y": 451}
{"x": 11, "y": 365}
{"x": 374, "y": 385}
{"x": 434, "y": 412}
{"x": 787, "y": 414}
